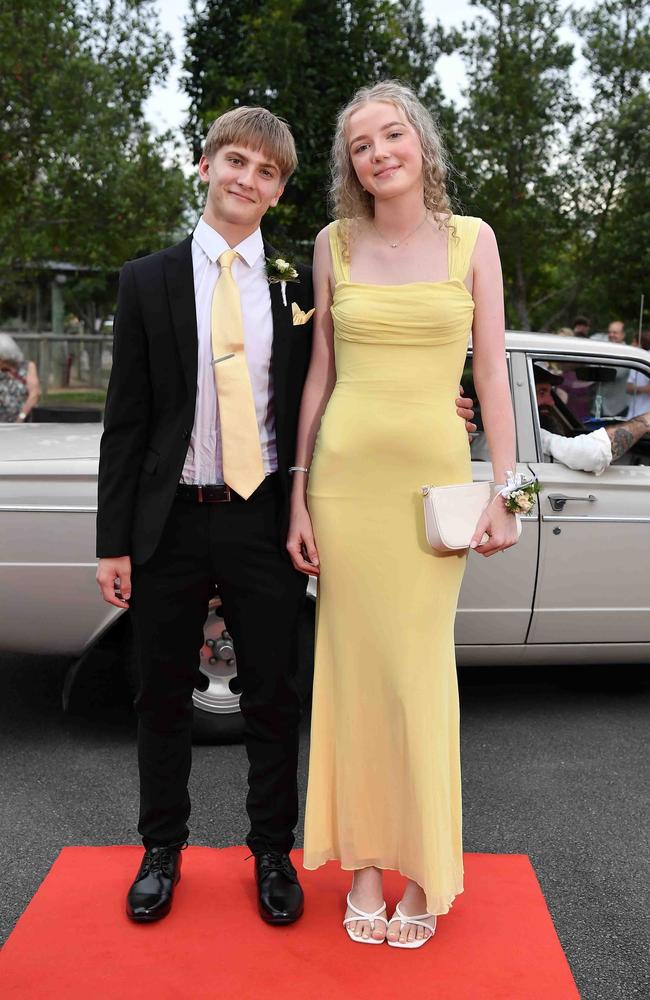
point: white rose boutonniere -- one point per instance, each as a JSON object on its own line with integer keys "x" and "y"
{"x": 279, "y": 269}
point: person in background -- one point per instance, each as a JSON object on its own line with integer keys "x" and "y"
{"x": 615, "y": 333}
{"x": 581, "y": 326}
{"x": 593, "y": 452}
{"x": 20, "y": 389}
{"x": 638, "y": 384}
{"x": 565, "y": 331}
{"x": 614, "y": 394}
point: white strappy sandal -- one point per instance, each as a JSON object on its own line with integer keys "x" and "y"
{"x": 370, "y": 917}
{"x": 419, "y": 920}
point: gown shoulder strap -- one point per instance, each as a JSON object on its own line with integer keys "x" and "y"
{"x": 340, "y": 265}
{"x": 462, "y": 240}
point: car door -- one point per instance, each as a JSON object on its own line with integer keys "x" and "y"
{"x": 594, "y": 573}
{"x": 496, "y": 598}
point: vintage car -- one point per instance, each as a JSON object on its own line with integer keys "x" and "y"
{"x": 575, "y": 590}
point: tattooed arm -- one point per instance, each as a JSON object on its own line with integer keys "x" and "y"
{"x": 624, "y": 435}
{"x": 595, "y": 452}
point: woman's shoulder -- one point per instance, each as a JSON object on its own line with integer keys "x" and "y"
{"x": 335, "y": 228}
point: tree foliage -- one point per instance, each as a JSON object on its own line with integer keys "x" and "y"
{"x": 82, "y": 178}
{"x": 612, "y": 206}
{"x": 303, "y": 59}
{"x": 511, "y": 134}
{"x": 562, "y": 172}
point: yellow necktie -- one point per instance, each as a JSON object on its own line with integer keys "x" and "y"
{"x": 243, "y": 469}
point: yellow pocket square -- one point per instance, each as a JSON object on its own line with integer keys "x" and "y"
{"x": 300, "y": 317}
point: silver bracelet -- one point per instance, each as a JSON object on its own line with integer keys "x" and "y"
{"x": 298, "y": 468}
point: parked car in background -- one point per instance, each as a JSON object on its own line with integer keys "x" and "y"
{"x": 576, "y": 589}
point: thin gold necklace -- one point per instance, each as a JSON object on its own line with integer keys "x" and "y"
{"x": 404, "y": 238}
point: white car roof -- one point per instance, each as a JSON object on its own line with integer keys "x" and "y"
{"x": 51, "y": 442}
{"x": 551, "y": 342}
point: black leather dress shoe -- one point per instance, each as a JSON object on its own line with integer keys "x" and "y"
{"x": 151, "y": 895}
{"x": 279, "y": 895}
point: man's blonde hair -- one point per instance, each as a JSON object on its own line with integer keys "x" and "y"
{"x": 257, "y": 129}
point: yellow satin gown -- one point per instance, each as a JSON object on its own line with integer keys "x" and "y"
{"x": 384, "y": 768}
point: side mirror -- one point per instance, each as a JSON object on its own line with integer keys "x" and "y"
{"x": 595, "y": 373}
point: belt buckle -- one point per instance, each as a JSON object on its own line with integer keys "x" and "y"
{"x": 203, "y": 498}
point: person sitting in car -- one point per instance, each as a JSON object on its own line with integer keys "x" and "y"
{"x": 592, "y": 452}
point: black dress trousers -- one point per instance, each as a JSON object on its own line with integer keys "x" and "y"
{"x": 236, "y": 546}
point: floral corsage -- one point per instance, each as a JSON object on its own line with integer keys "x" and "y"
{"x": 518, "y": 493}
{"x": 278, "y": 269}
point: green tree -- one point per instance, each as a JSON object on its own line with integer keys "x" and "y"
{"x": 512, "y": 144}
{"x": 82, "y": 177}
{"x": 303, "y": 59}
{"x": 612, "y": 204}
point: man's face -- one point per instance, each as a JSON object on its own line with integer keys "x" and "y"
{"x": 242, "y": 185}
{"x": 545, "y": 398}
{"x": 616, "y": 332}
{"x": 581, "y": 330}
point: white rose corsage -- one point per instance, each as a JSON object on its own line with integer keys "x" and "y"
{"x": 518, "y": 493}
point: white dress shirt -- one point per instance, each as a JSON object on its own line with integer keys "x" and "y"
{"x": 203, "y": 463}
{"x": 586, "y": 452}
{"x": 639, "y": 402}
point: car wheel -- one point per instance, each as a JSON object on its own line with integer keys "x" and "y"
{"x": 217, "y": 716}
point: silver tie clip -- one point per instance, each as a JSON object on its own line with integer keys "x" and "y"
{"x": 224, "y": 357}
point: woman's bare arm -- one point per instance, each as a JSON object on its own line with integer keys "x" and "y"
{"x": 489, "y": 366}
{"x": 33, "y": 388}
{"x": 319, "y": 383}
{"x": 321, "y": 375}
{"x": 490, "y": 373}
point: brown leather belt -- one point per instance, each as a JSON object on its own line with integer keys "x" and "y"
{"x": 221, "y": 493}
{"x": 205, "y": 494}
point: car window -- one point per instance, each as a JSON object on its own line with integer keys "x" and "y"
{"x": 478, "y": 446}
{"x": 580, "y": 396}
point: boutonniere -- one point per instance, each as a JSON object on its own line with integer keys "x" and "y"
{"x": 278, "y": 269}
{"x": 299, "y": 317}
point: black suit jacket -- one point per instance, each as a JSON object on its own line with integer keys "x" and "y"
{"x": 152, "y": 393}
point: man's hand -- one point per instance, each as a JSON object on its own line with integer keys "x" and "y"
{"x": 114, "y": 579}
{"x": 465, "y": 409}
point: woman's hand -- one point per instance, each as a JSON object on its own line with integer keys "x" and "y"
{"x": 300, "y": 541}
{"x": 499, "y": 524}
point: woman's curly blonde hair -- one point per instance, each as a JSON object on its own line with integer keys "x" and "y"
{"x": 348, "y": 199}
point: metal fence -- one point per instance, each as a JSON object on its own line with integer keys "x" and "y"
{"x": 77, "y": 361}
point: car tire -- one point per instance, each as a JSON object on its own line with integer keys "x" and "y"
{"x": 217, "y": 717}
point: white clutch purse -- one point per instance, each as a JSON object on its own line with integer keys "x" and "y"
{"x": 451, "y": 514}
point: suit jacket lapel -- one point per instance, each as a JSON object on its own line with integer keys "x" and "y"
{"x": 179, "y": 276}
{"x": 282, "y": 328}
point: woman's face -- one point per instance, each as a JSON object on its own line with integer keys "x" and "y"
{"x": 385, "y": 150}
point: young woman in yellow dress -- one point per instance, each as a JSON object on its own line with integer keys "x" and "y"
{"x": 400, "y": 282}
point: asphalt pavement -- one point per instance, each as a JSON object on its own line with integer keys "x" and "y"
{"x": 555, "y": 765}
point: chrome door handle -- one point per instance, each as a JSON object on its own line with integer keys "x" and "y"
{"x": 558, "y": 500}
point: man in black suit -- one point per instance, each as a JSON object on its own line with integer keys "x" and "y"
{"x": 171, "y": 523}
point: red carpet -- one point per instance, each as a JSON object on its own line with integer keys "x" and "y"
{"x": 497, "y": 943}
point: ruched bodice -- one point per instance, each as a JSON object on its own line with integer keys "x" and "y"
{"x": 384, "y": 772}
{"x": 419, "y": 313}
